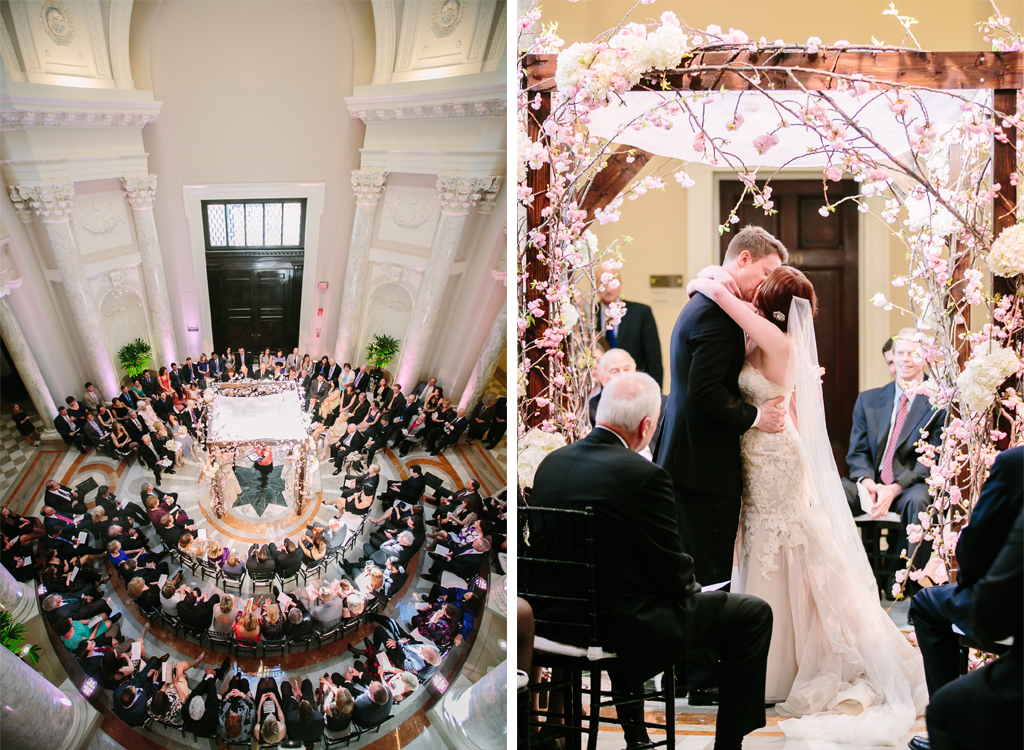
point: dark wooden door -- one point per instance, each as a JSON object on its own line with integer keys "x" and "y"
{"x": 254, "y": 303}
{"x": 824, "y": 248}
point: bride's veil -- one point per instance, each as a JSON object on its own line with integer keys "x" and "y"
{"x": 821, "y": 474}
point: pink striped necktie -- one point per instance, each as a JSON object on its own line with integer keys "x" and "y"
{"x": 894, "y": 439}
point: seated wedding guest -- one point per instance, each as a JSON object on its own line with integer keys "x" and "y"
{"x": 201, "y": 710}
{"x": 155, "y": 456}
{"x": 337, "y": 704}
{"x": 408, "y": 490}
{"x": 982, "y": 709}
{"x": 304, "y": 722}
{"x": 463, "y": 562}
{"x": 144, "y": 593}
{"x": 132, "y": 697}
{"x": 72, "y": 632}
{"x": 232, "y": 564}
{"x": 269, "y": 726}
{"x": 172, "y": 593}
{"x": 288, "y": 559}
{"x": 626, "y": 491}
{"x": 260, "y": 561}
{"x": 403, "y": 651}
{"x": 196, "y": 613}
{"x": 227, "y": 615}
{"x": 106, "y": 498}
{"x": 91, "y": 399}
{"x": 353, "y": 442}
{"x": 425, "y": 390}
{"x": 137, "y": 391}
{"x": 127, "y": 397}
{"x": 237, "y": 711}
{"x": 440, "y": 626}
{"x": 156, "y": 510}
{"x": 247, "y": 628}
{"x": 328, "y": 613}
{"x": 372, "y": 706}
{"x": 362, "y": 408}
{"x": 271, "y": 621}
{"x": 334, "y": 533}
{"x": 76, "y": 607}
{"x": 361, "y": 380}
{"x": 124, "y": 447}
{"x": 887, "y": 422}
{"x": 23, "y": 423}
{"x": 298, "y": 624}
{"x": 170, "y": 531}
{"x": 481, "y": 418}
{"x": 105, "y": 418}
{"x": 119, "y": 409}
{"x": 934, "y": 610}
{"x": 377, "y": 436}
{"x": 68, "y": 430}
{"x": 216, "y": 366}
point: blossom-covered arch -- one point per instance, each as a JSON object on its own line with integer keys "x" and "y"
{"x": 936, "y": 134}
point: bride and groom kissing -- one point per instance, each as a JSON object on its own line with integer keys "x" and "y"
{"x": 744, "y": 471}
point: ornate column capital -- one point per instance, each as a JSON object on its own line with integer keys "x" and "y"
{"x": 140, "y": 190}
{"x": 457, "y": 195}
{"x": 52, "y": 202}
{"x": 489, "y": 193}
{"x": 20, "y": 202}
{"x": 368, "y": 186}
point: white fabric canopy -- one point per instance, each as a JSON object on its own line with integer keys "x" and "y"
{"x": 761, "y": 117}
{"x": 241, "y": 419}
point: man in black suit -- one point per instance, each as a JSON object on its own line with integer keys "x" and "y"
{"x": 302, "y": 720}
{"x": 353, "y": 442}
{"x": 201, "y": 710}
{"x": 425, "y": 389}
{"x": 260, "y": 561}
{"x": 651, "y": 609}
{"x": 318, "y": 389}
{"x": 149, "y": 384}
{"x": 465, "y": 562}
{"x": 613, "y": 363}
{"x": 153, "y": 454}
{"x": 377, "y": 437}
{"x": 135, "y": 426}
{"x": 885, "y": 464}
{"x": 450, "y": 433}
{"x": 934, "y": 610}
{"x": 78, "y": 606}
{"x": 64, "y": 499}
{"x": 981, "y": 710}
{"x": 369, "y": 481}
{"x": 470, "y": 491}
{"x": 69, "y": 430}
{"x": 189, "y": 372}
{"x": 130, "y": 698}
{"x": 408, "y": 490}
{"x": 404, "y": 651}
{"x": 636, "y": 333}
{"x": 174, "y": 376}
{"x": 332, "y": 372}
{"x": 361, "y": 410}
{"x": 108, "y": 500}
{"x": 362, "y": 379}
{"x": 95, "y": 435}
{"x": 190, "y": 417}
{"x": 196, "y": 613}
{"x": 700, "y": 441}
{"x": 287, "y": 559}
{"x": 372, "y": 706}
{"x": 498, "y": 425}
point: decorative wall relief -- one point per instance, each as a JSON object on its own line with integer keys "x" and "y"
{"x": 447, "y": 16}
{"x": 100, "y": 222}
{"x": 410, "y": 216}
{"x": 56, "y": 20}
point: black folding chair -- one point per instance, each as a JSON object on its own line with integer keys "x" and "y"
{"x": 232, "y": 581}
{"x": 558, "y": 546}
{"x": 262, "y": 580}
{"x": 221, "y": 641}
{"x": 314, "y": 570}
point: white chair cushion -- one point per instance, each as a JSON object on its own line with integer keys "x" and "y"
{"x": 594, "y": 653}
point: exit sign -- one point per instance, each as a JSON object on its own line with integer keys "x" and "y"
{"x": 322, "y": 285}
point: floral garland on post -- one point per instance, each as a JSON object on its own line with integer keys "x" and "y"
{"x": 938, "y": 203}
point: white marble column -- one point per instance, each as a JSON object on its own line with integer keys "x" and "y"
{"x": 53, "y": 203}
{"x": 17, "y": 598}
{"x": 37, "y": 715}
{"x": 26, "y": 363}
{"x": 368, "y": 187}
{"x": 492, "y": 354}
{"x": 475, "y": 718}
{"x": 141, "y": 192}
{"x": 457, "y": 195}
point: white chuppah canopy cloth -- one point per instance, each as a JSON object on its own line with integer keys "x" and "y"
{"x": 244, "y": 419}
{"x": 761, "y": 116}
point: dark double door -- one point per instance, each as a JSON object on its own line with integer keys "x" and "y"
{"x": 254, "y": 303}
{"x": 825, "y": 249}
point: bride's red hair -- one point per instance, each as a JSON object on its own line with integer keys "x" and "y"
{"x": 778, "y": 290}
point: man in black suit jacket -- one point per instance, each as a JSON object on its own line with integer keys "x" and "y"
{"x": 370, "y": 480}
{"x": 372, "y": 706}
{"x": 408, "y": 490}
{"x": 651, "y": 609}
{"x": 318, "y": 389}
{"x": 189, "y": 372}
{"x": 982, "y": 709}
{"x": 464, "y": 562}
{"x": 69, "y": 430}
{"x": 936, "y": 609}
{"x": 700, "y": 441}
{"x": 353, "y": 442}
{"x": 174, "y": 376}
{"x": 287, "y": 559}
{"x": 260, "y": 560}
{"x": 613, "y": 363}
{"x": 149, "y": 384}
{"x": 135, "y": 426}
{"x": 130, "y": 698}
{"x": 64, "y": 499}
{"x": 450, "y": 433}
{"x": 900, "y": 487}
{"x": 637, "y": 332}
{"x": 152, "y": 453}
{"x": 362, "y": 379}
{"x": 196, "y": 613}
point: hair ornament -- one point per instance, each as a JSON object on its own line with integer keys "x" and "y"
{"x": 779, "y": 315}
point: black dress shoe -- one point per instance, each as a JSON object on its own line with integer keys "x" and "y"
{"x": 919, "y": 742}
{"x": 115, "y": 618}
{"x": 276, "y": 590}
{"x": 171, "y": 471}
{"x": 336, "y": 472}
{"x": 708, "y": 697}
{"x": 431, "y": 578}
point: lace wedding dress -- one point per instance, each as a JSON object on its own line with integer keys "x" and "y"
{"x": 837, "y": 661}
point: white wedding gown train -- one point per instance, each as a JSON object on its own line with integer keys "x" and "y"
{"x": 837, "y": 662}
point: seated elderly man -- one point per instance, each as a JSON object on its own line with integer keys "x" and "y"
{"x": 403, "y": 651}
{"x": 626, "y": 491}
{"x": 613, "y": 363}
{"x": 78, "y": 606}
{"x": 330, "y": 610}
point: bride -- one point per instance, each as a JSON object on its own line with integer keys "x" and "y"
{"x": 837, "y": 662}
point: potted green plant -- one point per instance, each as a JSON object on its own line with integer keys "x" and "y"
{"x": 12, "y": 637}
{"x": 380, "y": 352}
{"x": 134, "y": 357}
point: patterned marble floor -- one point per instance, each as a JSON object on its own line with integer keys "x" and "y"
{"x": 14, "y": 449}
{"x": 238, "y": 528}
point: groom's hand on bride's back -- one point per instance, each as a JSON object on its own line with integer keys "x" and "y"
{"x": 772, "y": 417}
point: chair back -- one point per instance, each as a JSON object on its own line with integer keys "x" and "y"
{"x": 232, "y": 580}
{"x": 556, "y": 573}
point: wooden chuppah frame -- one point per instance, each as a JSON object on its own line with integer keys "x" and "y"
{"x": 1001, "y": 72}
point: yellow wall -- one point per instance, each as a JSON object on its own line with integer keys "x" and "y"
{"x": 658, "y": 222}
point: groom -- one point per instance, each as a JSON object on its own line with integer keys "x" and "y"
{"x": 700, "y": 444}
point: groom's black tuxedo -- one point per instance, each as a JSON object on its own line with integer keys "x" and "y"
{"x": 868, "y": 439}
{"x": 651, "y": 609}
{"x": 700, "y": 440}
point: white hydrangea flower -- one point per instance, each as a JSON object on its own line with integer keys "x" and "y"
{"x": 536, "y": 445}
{"x": 984, "y": 373}
{"x": 927, "y": 214}
{"x": 1007, "y": 255}
{"x": 570, "y": 315}
{"x": 667, "y": 44}
{"x": 573, "y": 64}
